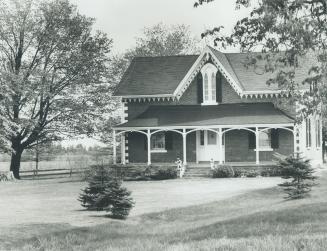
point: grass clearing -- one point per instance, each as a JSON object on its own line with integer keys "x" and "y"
{"x": 257, "y": 220}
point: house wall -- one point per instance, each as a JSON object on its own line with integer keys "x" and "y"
{"x": 237, "y": 147}
{"x": 314, "y": 153}
{"x": 138, "y": 151}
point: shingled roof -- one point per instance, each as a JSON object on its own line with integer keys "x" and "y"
{"x": 154, "y": 75}
{"x": 196, "y": 115}
{"x": 158, "y": 76}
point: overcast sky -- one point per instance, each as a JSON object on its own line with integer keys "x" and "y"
{"x": 123, "y": 20}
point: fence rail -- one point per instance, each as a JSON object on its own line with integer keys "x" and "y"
{"x": 51, "y": 173}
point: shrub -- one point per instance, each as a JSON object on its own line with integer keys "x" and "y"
{"x": 274, "y": 171}
{"x": 299, "y": 175}
{"x": 165, "y": 173}
{"x": 104, "y": 192}
{"x": 252, "y": 173}
{"x": 223, "y": 171}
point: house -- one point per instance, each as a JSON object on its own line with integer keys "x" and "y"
{"x": 208, "y": 107}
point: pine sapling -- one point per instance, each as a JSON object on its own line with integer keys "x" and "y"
{"x": 299, "y": 175}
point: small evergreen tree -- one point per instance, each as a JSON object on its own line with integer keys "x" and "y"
{"x": 104, "y": 192}
{"x": 299, "y": 174}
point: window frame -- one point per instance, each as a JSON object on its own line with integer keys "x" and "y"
{"x": 163, "y": 139}
{"x": 209, "y": 73}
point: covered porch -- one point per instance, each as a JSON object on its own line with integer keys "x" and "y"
{"x": 231, "y": 133}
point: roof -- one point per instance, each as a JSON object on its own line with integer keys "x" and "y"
{"x": 255, "y": 78}
{"x": 197, "y": 115}
{"x": 154, "y": 75}
{"x": 158, "y": 76}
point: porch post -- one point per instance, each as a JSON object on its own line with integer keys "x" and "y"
{"x": 184, "y": 146}
{"x": 114, "y": 158}
{"x": 122, "y": 147}
{"x": 149, "y": 146}
{"x": 257, "y": 152}
{"x": 220, "y": 135}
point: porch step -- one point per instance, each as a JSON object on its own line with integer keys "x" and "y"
{"x": 197, "y": 172}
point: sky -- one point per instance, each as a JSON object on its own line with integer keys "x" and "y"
{"x": 123, "y": 20}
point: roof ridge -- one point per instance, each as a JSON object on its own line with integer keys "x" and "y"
{"x": 167, "y": 56}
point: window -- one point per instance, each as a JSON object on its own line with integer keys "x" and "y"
{"x": 206, "y": 87}
{"x": 308, "y": 132}
{"x": 209, "y": 72}
{"x": 202, "y": 138}
{"x": 265, "y": 140}
{"x": 212, "y": 138}
{"x": 318, "y": 133}
{"x": 158, "y": 142}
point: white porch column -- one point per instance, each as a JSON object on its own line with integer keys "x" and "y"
{"x": 220, "y": 138}
{"x": 184, "y": 146}
{"x": 122, "y": 147}
{"x": 114, "y": 157}
{"x": 149, "y": 146}
{"x": 257, "y": 152}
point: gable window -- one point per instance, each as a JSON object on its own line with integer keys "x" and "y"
{"x": 158, "y": 142}
{"x": 308, "y": 132}
{"x": 209, "y": 72}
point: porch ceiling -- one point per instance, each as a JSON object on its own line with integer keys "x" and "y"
{"x": 198, "y": 115}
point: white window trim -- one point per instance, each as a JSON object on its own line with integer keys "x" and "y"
{"x": 264, "y": 149}
{"x": 158, "y": 150}
{"x": 209, "y": 69}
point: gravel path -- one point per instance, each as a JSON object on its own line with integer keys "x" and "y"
{"x": 55, "y": 201}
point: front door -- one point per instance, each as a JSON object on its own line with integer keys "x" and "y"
{"x": 207, "y": 146}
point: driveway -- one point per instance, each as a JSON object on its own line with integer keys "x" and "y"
{"x": 55, "y": 201}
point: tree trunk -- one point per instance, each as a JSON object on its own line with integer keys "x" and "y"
{"x": 15, "y": 162}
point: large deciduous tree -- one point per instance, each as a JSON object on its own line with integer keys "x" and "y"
{"x": 53, "y": 72}
{"x": 285, "y": 31}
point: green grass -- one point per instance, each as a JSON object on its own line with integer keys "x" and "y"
{"x": 260, "y": 220}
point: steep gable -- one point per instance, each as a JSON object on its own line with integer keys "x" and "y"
{"x": 168, "y": 77}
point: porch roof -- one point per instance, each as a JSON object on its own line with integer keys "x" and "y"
{"x": 198, "y": 115}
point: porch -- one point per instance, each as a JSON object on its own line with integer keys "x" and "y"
{"x": 232, "y": 133}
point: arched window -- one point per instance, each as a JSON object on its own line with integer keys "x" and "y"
{"x": 209, "y": 72}
{"x": 206, "y": 87}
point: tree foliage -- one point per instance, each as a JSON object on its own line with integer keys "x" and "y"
{"x": 299, "y": 175}
{"x": 53, "y": 73}
{"x": 104, "y": 192}
{"x": 286, "y": 31}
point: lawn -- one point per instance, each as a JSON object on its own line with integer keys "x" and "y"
{"x": 259, "y": 219}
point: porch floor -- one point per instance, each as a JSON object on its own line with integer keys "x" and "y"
{"x": 207, "y": 163}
